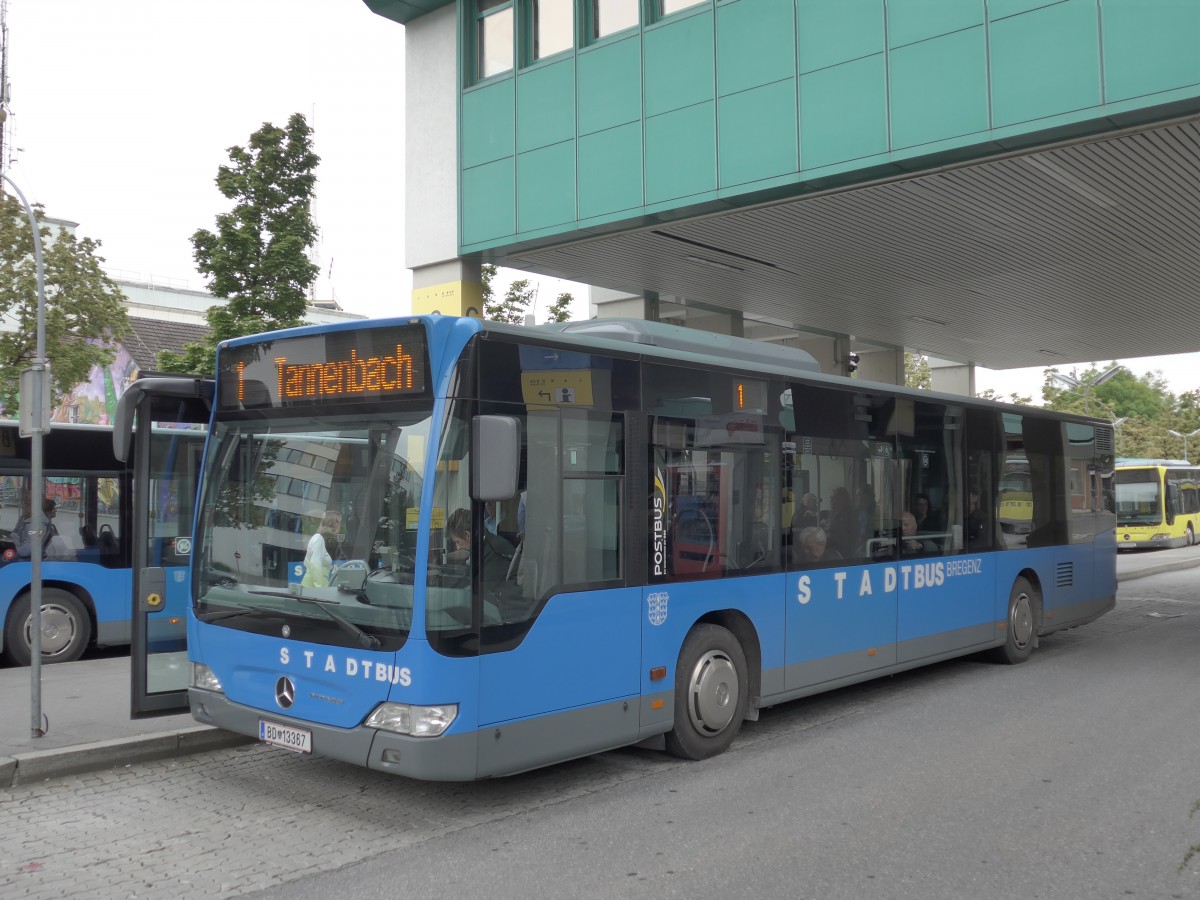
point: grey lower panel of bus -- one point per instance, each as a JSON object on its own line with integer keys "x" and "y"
{"x": 112, "y": 633}
{"x": 830, "y": 673}
{"x": 495, "y": 750}
{"x": 517, "y": 746}
{"x": 1076, "y": 614}
{"x": 448, "y": 758}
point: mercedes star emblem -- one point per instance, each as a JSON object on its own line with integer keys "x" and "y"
{"x": 285, "y": 692}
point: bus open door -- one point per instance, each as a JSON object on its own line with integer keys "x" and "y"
{"x": 159, "y": 431}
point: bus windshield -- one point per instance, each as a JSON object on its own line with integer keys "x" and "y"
{"x": 1139, "y": 499}
{"x": 310, "y": 525}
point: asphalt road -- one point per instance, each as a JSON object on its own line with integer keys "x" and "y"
{"x": 1071, "y": 776}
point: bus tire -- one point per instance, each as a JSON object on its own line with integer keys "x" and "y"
{"x": 66, "y": 628}
{"x": 1020, "y": 630}
{"x": 711, "y": 693}
{"x": 1191, "y": 536}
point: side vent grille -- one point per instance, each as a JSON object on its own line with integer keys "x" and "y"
{"x": 1104, "y": 440}
{"x": 1065, "y": 576}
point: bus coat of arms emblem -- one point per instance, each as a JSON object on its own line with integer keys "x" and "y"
{"x": 657, "y": 603}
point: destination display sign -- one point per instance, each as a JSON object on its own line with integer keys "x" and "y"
{"x": 333, "y": 367}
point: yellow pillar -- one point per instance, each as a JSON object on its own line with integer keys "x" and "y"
{"x": 452, "y": 288}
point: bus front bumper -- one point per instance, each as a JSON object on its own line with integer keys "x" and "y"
{"x": 450, "y": 757}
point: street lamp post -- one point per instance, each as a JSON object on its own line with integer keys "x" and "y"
{"x": 35, "y": 398}
{"x": 1087, "y": 384}
{"x": 1190, "y": 434}
{"x": 1117, "y": 423}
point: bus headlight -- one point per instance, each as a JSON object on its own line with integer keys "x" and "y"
{"x": 204, "y": 678}
{"x": 418, "y": 721}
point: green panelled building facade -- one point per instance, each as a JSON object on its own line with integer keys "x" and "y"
{"x": 584, "y": 117}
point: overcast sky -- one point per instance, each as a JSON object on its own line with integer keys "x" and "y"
{"x": 124, "y": 109}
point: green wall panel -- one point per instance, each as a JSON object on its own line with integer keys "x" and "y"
{"x": 1000, "y": 9}
{"x": 611, "y": 161}
{"x": 909, "y": 21}
{"x": 681, "y": 153}
{"x": 487, "y": 124}
{"x": 939, "y": 88}
{"x": 1149, "y": 47}
{"x": 756, "y": 44}
{"x": 546, "y": 187}
{"x": 658, "y": 119}
{"x": 679, "y": 63}
{"x": 843, "y": 112}
{"x": 610, "y": 85}
{"x": 546, "y": 105}
{"x": 757, "y": 133}
{"x": 835, "y": 32}
{"x": 1045, "y": 62}
{"x": 488, "y": 202}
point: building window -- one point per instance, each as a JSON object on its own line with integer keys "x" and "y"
{"x": 666, "y": 7}
{"x": 553, "y": 27}
{"x": 494, "y": 37}
{"x": 611, "y": 16}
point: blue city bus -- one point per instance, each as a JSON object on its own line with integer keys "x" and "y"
{"x": 560, "y": 539}
{"x": 86, "y": 575}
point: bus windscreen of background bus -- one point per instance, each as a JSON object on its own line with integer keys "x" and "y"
{"x": 1158, "y": 503}
{"x": 452, "y": 549}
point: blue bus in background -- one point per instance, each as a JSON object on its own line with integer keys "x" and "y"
{"x": 86, "y": 581}
{"x": 561, "y": 539}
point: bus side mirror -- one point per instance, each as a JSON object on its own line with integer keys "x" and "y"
{"x": 495, "y": 457}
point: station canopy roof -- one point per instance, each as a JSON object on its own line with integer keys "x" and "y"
{"x": 1074, "y": 253}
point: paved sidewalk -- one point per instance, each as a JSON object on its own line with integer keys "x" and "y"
{"x": 87, "y": 705}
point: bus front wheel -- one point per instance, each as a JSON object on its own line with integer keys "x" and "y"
{"x": 1024, "y": 607}
{"x": 66, "y": 628}
{"x": 711, "y": 693}
{"x": 1191, "y": 536}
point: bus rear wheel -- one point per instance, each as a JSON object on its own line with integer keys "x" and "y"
{"x": 711, "y": 693}
{"x": 1191, "y": 536}
{"x": 66, "y": 628}
{"x": 1024, "y": 607}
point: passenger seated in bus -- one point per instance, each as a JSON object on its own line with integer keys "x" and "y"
{"x": 497, "y": 552}
{"x": 910, "y": 540}
{"x": 928, "y": 518}
{"x": 812, "y": 546}
{"x": 53, "y": 545}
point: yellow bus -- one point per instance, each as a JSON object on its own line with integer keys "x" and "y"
{"x": 1158, "y": 503}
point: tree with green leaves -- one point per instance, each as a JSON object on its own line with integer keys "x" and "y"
{"x": 917, "y": 373}
{"x": 257, "y": 261}
{"x": 85, "y": 310}
{"x": 517, "y": 300}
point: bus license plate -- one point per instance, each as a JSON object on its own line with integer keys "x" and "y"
{"x": 285, "y": 736}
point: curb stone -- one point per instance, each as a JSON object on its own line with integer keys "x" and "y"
{"x": 38, "y": 765}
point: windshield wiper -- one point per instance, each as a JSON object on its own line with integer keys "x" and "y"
{"x": 369, "y": 641}
{"x": 241, "y": 611}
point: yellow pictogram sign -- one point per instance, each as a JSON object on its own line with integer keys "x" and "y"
{"x": 550, "y": 389}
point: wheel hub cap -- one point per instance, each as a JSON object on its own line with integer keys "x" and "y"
{"x": 714, "y": 688}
